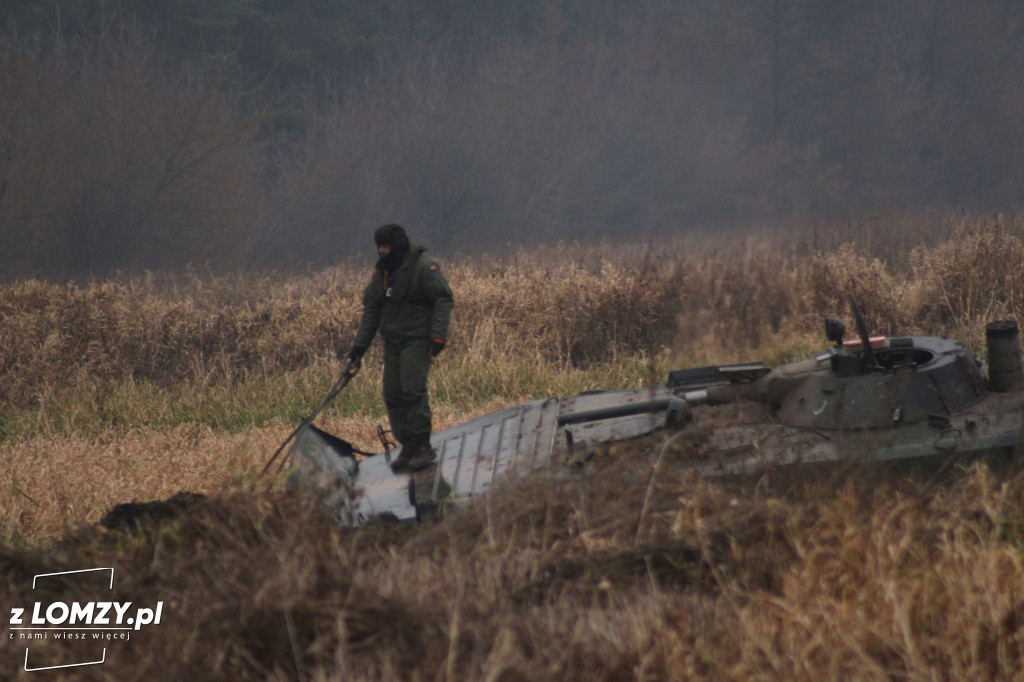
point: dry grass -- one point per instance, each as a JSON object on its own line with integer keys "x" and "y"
{"x": 137, "y": 390}
{"x": 563, "y": 579}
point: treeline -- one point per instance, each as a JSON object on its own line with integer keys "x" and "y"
{"x": 151, "y": 135}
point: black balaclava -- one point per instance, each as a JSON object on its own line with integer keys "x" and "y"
{"x": 395, "y": 237}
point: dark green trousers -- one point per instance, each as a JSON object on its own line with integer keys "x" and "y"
{"x": 406, "y": 365}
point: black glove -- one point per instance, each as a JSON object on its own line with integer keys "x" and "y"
{"x": 436, "y": 346}
{"x": 355, "y": 355}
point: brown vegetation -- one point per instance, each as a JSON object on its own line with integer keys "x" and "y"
{"x": 136, "y": 390}
{"x": 569, "y": 305}
{"x": 565, "y": 579}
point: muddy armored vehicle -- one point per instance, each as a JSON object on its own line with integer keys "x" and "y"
{"x": 893, "y": 401}
{"x": 884, "y": 400}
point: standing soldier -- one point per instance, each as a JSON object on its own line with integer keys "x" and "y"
{"x": 410, "y": 302}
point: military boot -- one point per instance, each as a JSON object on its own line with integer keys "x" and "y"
{"x": 409, "y": 452}
{"x": 423, "y": 455}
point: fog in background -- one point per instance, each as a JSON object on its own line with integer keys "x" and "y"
{"x": 263, "y": 133}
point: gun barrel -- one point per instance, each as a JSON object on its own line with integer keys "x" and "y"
{"x": 612, "y": 411}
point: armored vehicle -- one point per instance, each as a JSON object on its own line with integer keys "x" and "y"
{"x": 886, "y": 400}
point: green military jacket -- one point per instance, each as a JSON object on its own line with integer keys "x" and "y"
{"x": 414, "y": 301}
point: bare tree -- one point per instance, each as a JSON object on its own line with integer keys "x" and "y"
{"x": 120, "y": 162}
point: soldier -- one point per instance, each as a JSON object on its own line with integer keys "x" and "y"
{"x": 410, "y": 302}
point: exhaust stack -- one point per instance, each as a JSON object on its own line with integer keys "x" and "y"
{"x": 1005, "y": 368}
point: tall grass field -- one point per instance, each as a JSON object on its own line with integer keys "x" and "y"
{"x": 139, "y": 389}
